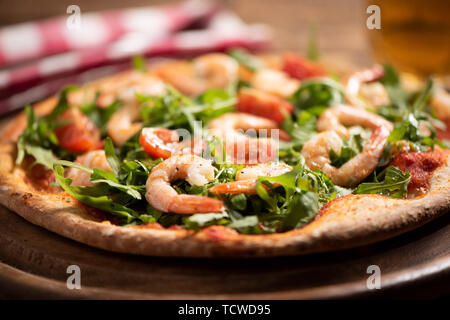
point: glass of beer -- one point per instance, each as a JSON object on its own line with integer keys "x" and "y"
{"x": 414, "y": 36}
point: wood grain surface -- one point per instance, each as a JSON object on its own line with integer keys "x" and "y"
{"x": 341, "y": 25}
{"x": 34, "y": 264}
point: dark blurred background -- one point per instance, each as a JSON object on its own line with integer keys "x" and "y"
{"x": 341, "y": 25}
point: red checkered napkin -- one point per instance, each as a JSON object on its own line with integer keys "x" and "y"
{"x": 39, "y": 58}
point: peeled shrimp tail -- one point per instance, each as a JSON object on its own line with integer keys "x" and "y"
{"x": 90, "y": 159}
{"x": 246, "y": 178}
{"x": 235, "y": 187}
{"x": 317, "y": 150}
{"x": 354, "y": 81}
{"x": 196, "y": 171}
{"x": 363, "y": 164}
{"x": 242, "y": 148}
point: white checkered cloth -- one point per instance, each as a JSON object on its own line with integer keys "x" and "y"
{"x": 39, "y": 58}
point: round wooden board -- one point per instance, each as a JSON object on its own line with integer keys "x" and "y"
{"x": 34, "y": 264}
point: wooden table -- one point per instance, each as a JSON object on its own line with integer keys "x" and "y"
{"x": 416, "y": 264}
{"x": 34, "y": 263}
{"x": 341, "y": 24}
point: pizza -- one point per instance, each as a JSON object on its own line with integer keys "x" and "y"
{"x": 231, "y": 155}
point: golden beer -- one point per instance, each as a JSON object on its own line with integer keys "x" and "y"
{"x": 414, "y": 35}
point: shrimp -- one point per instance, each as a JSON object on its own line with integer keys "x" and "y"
{"x": 375, "y": 94}
{"x": 354, "y": 81}
{"x": 196, "y": 171}
{"x": 263, "y": 104}
{"x": 122, "y": 87}
{"x": 316, "y": 150}
{"x": 241, "y": 147}
{"x": 334, "y": 118}
{"x": 275, "y": 82}
{"x": 214, "y": 70}
{"x": 440, "y": 101}
{"x": 125, "y": 91}
{"x": 247, "y": 178}
{"x": 265, "y": 62}
{"x": 111, "y": 88}
{"x": 122, "y": 126}
{"x": 91, "y": 159}
{"x": 163, "y": 143}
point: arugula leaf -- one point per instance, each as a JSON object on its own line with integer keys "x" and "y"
{"x": 286, "y": 180}
{"x": 300, "y": 132}
{"x": 129, "y": 190}
{"x": 202, "y": 220}
{"x": 421, "y": 101}
{"x": 408, "y": 127}
{"x": 41, "y": 155}
{"x": 176, "y": 111}
{"x": 395, "y": 184}
{"x": 298, "y": 198}
{"x": 132, "y": 150}
{"x": 408, "y": 114}
{"x": 243, "y": 57}
{"x": 39, "y": 139}
{"x": 101, "y": 176}
{"x": 100, "y": 116}
{"x": 102, "y": 202}
{"x": 98, "y": 174}
{"x": 111, "y": 156}
{"x": 302, "y": 209}
{"x": 350, "y": 148}
{"x": 244, "y": 223}
{"x": 62, "y": 105}
{"x": 239, "y": 202}
{"x": 213, "y": 96}
{"x": 139, "y": 64}
{"x": 396, "y": 94}
{"x": 316, "y": 95}
{"x": 312, "y": 51}
{"x": 136, "y": 172}
{"x": 310, "y": 100}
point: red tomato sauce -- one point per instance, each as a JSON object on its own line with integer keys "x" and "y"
{"x": 99, "y": 215}
{"x": 444, "y": 134}
{"x": 152, "y": 225}
{"x": 158, "y": 226}
{"x": 420, "y": 165}
{"x": 219, "y": 233}
{"x": 38, "y": 176}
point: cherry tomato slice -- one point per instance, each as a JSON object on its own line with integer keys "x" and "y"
{"x": 300, "y": 68}
{"x": 263, "y": 104}
{"x": 159, "y": 142}
{"x": 80, "y": 134}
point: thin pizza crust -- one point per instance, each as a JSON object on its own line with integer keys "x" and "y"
{"x": 346, "y": 222}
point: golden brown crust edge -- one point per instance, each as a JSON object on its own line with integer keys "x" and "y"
{"x": 347, "y": 222}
